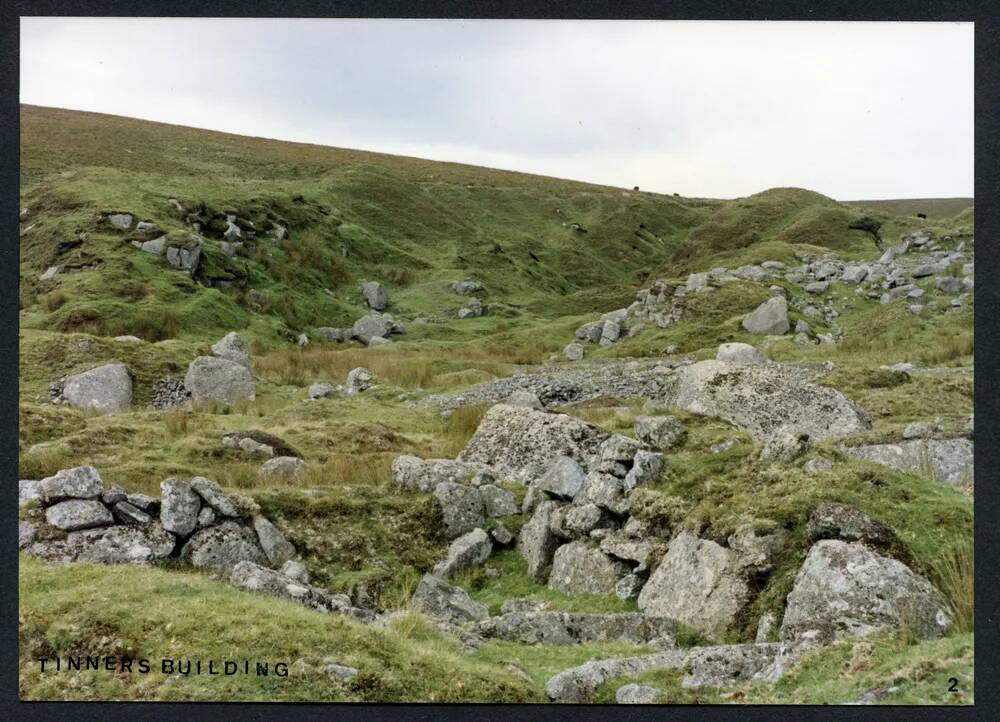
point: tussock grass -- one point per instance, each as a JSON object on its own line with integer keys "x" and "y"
{"x": 460, "y": 427}
{"x": 954, "y": 574}
{"x": 42, "y": 461}
{"x": 410, "y": 369}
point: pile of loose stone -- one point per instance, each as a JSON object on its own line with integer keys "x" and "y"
{"x": 168, "y": 393}
{"x": 73, "y": 517}
{"x": 892, "y": 276}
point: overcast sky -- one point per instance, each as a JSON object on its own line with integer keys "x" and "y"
{"x": 853, "y": 110}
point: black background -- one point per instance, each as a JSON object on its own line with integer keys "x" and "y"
{"x": 986, "y": 15}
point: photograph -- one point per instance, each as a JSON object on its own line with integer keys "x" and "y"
{"x": 494, "y": 362}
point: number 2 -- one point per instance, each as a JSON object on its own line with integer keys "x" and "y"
{"x": 952, "y": 685}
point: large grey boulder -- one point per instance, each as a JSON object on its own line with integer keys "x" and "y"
{"x": 375, "y": 295}
{"x": 740, "y": 353}
{"x": 107, "y": 389}
{"x": 436, "y": 598}
{"x": 412, "y": 472}
{"x": 770, "y": 317}
{"x": 223, "y": 547}
{"x": 699, "y": 583}
{"x": 564, "y": 628}
{"x": 949, "y": 461}
{"x": 255, "y": 578}
{"x": 846, "y": 590}
{"x": 576, "y": 685}
{"x": 74, "y": 514}
{"x": 277, "y": 548}
{"x": 521, "y": 443}
{"x": 563, "y": 479}
{"x": 81, "y": 482}
{"x": 762, "y": 399}
{"x": 468, "y": 550}
{"x": 537, "y": 543}
{"x": 233, "y": 347}
{"x": 578, "y": 568}
{"x": 219, "y": 380}
{"x": 462, "y": 508}
{"x": 179, "y": 507}
{"x": 375, "y": 324}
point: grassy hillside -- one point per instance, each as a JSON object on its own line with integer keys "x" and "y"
{"x": 352, "y": 216}
{"x": 416, "y": 225}
{"x": 933, "y": 208}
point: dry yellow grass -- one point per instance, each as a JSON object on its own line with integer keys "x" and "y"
{"x": 409, "y": 369}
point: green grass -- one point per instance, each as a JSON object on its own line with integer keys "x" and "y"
{"x": 156, "y": 614}
{"x": 513, "y": 582}
{"x": 417, "y": 225}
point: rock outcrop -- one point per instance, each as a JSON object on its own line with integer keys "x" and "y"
{"x": 520, "y": 443}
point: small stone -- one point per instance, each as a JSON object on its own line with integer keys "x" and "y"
{"x": 573, "y": 351}
{"x": 206, "y": 517}
{"x": 339, "y": 672}
{"x": 125, "y": 513}
{"x": 319, "y": 391}
{"x": 295, "y": 570}
{"x": 501, "y": 535}
{"x": 658, "y": 432}
{"x": 818, "y": 464}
